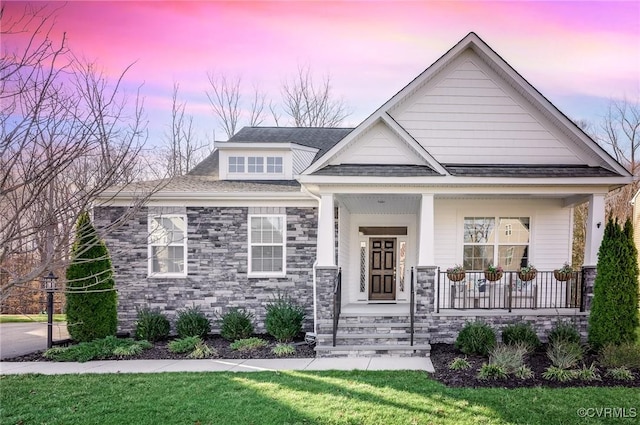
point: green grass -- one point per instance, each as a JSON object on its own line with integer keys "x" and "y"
{"x": 26, "y": 318}
{"x": 355, "y": 397}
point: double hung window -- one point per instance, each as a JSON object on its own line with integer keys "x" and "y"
{"x": 267, "y": 244}
{"x": 500, "y": 241}
{"x": 167, "y": 245}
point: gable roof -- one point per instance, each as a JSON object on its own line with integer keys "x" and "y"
{"x": 321, "y": 138}
{"x": 596, "y": 155}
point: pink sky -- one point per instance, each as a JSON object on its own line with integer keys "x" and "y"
{"x": 578, "y": 54}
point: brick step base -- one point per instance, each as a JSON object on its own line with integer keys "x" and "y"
{"x": 421, "y": 350}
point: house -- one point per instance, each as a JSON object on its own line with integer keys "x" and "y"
{"x": 468, "y": 164}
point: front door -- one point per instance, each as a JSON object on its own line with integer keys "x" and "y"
{"x": 382, "y": 269}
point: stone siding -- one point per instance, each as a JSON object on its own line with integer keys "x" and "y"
{"x": 217, "y": 265}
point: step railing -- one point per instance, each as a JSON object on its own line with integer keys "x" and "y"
{"x": 474, "y": 290}
{"x": 412, "y": 307}
{"x": 337, "y": 303}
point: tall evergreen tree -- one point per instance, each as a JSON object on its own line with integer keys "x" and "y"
{"x": 91, "y": 297}
{"x": 614, "y": 310}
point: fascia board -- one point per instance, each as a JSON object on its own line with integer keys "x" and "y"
{"x": 461, "y": 181}
{"x": 258, "y": 145}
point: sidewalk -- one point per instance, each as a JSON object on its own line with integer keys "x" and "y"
{"x": 217, "y": 365}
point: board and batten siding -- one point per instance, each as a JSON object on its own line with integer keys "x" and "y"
{"x": 551, "y": 233}
{"x": 468, "y": 114}
{"x": 379, "y": 145}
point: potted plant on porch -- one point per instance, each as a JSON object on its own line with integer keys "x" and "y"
{"x": 455, "y": 273}
{"x": 527, "y": 273}
{"x": 493, "y": 273}
{"x": 563, "y": 273}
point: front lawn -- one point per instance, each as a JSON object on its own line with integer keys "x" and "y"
{"x": 26, "y": 318}
{"x": 355, "y": 397}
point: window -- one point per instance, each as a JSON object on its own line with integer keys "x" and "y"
{"x": 267, "y": 244}
{"x": 255, "y": 164}
{"x": 496, "y": 240}
{"x": 236, "y": 164}
{"x": 167, "y": 245}
{"x": 274, "y": 164}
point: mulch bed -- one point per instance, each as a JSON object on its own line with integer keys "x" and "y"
{"x": 161, "y": 351}
{"x": 443, "y": 354}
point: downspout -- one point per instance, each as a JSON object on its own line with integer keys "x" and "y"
{"x": 315, "y": 264}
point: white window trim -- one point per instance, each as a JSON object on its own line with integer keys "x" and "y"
{"x": 263, "y": 173}
{"x": 497, "y": 243}
{"x": 283, "y": 273}
{"x": 150, "y": 272}
{"x": 244, "y": 164}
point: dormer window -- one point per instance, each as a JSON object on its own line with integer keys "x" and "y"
{"x": 236, "y": 164}
{"x": 274, "y": 164}
{"x": 256, "y": 164}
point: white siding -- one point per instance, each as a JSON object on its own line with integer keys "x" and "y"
{"x": 379, "y": 145}
{"x": 301, "y": 160}
{"x": 467, "y": 114}
{"x": 550, "y": 244}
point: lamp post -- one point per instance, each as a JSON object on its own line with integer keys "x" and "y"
{"x": 50, "y": 285}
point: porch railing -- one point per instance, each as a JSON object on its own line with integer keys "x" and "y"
{"x": 412, "y": 307}
{"x": 510, "y": 292}
{"x": 337, "y": 303}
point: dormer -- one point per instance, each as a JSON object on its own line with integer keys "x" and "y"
{"x": 273, "y": 153}
{"x": 263, "y": 161}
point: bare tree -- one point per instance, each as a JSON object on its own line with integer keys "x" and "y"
{"x": 184, "y": 150}
{"x": 67, "y": 133}
{"x": 229, "y": 104}
{"x": 311, "y": 104}
{"x": 620, "y": 132}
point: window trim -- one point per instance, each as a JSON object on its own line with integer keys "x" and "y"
{"x": 497, "y": 242}
{"x": 150, "y": 245}
{"x": 257, "y": 274}
{"x": 236, "y": 157}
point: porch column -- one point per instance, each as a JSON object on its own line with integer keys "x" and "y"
{"x": 426, "y": 254}
{"x": 326, "y": 231}
{"x": 595, "y": 229}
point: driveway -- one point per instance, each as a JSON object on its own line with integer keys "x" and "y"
{"x": 17, "y": 339}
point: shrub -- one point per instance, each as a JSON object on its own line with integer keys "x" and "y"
{"x": 248, "y": 344}
{"x": 491, "y": 371}
{"x": 626, "y": 354}
{"x": 282, "y": 350}
{"x": 564, "y": 331}
{"x": 620, "y": 373}
{"x": 151, "y": 325}
{"x": 192, "y": 322}
{"x": 476, "y": 338}
{"x": 183, "y": 345}
{"x": 521, "y": 333}
{"x": 564, "y": 354}
{"x": 90, "y": 289}
{"x": 554, "y": 373}
{"x": 459, "y": 364}
{"x": 523, "y": 372}
{"x": 236, "y": 324}
{"x": 588, "y": 373}
{"x": 202, "y": 351}
{"x": 97, "y": 349}
{"x": 284, "y": 318}
{"x": 509, "y": 357}
{"x": 614, "y": 309}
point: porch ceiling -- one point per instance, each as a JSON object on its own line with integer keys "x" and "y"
{"x": 380, "y": 203}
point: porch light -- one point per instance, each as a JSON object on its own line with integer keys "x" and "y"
{"x": 50, "y": 286}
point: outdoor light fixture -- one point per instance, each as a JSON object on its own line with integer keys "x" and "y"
{"x": 599, "y": 224}
{"x": 50, "y": 286}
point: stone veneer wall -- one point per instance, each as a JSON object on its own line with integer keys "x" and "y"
{"x": 217, "y": 280}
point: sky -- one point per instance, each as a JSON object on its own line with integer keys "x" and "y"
{"x": 579, "y": 54}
